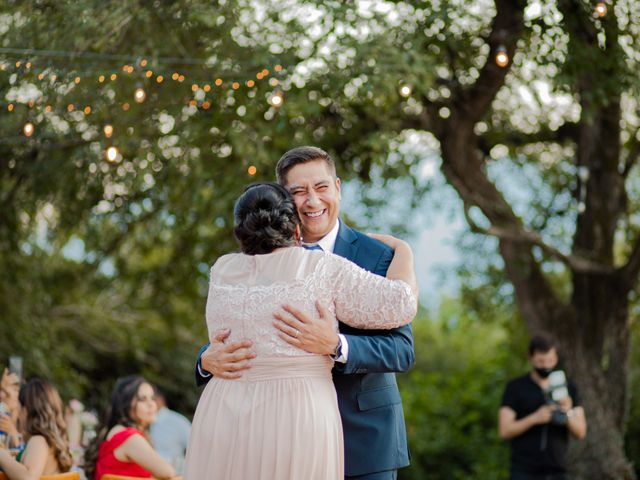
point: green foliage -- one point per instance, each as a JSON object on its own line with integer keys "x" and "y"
{"x": 452, "y": 395}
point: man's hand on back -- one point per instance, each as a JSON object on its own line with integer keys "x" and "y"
{"x": 313, "y": 335}
{"x": 226, "y": 361}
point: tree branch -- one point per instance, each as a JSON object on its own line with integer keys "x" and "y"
{"x": 522, "y": 235}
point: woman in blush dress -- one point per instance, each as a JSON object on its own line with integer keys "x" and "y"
{"x": 280, "y": 420}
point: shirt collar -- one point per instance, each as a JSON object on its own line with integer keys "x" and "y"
{"x": 328, "y": 242}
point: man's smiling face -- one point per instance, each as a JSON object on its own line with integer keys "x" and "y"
{"x": 316, "y": 192}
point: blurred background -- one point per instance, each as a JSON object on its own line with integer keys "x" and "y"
{"x": 500, "y": 138}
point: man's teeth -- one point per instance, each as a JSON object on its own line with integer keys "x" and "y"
{"x": 314, "y": 214}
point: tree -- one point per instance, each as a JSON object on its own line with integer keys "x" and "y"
{"x": 562, "y": 113}
{"x": 586, "y": 153}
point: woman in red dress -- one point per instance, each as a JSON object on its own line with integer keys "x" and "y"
{"x": 122, "y": 446}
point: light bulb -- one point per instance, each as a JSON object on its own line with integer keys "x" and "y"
{"x": 405, "y": 91}
{"x": 601, "y": 9}
{"x": 108, "y": 130}
{"x": 276, "y": 100}
{"x": 112, "y": 154}
{"x": 502, "y": 59}
{"x": 28, "y": 129}
{"x": 252, "y": 170}
{"x": 139, "y": 95}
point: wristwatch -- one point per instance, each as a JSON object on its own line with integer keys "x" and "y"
{"x": 337, "y": 353}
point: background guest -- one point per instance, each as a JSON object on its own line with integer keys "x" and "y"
{"x": 122, "y": 446}
{"x": 47, "y": 450}
{"x": 170, "y": 433}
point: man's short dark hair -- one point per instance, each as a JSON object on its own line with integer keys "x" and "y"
{"x": 541, "y": 343}
{"x": 299, "y": 155}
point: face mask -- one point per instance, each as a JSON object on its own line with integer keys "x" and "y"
{"x": 544, "y": 372}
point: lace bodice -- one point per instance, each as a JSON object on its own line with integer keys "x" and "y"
{"x": 245, "y": 291}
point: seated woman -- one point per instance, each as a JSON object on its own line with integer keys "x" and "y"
{"x": 47, "y": 450}
{"x": 122, "y": 445}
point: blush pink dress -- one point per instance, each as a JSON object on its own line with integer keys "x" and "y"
{"x": 280, "y": 420}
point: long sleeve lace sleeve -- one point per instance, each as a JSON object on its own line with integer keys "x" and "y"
{"x": 365, "y": 300}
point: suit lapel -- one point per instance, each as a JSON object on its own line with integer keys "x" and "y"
{"x": 346, "y": 242}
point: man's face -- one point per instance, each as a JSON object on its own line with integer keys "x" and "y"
{"x": 544, "y": 359}
{"x": 317, "y": 195}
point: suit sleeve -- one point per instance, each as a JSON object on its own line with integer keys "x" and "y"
{"x": 201, "y": 379}
{"x": 374, "y": 351}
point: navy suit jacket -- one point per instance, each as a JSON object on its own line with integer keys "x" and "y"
{"x": 375, "y": 437}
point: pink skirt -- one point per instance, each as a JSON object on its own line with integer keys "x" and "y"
{"x": 280, "y": 420}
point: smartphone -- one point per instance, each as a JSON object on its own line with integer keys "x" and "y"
{"x": 15, "y": 366}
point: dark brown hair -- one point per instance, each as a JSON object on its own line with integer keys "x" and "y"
{"x": 299, "y": 155}
{"x": 541, "y": 343}
{"x": 265, "y": 218}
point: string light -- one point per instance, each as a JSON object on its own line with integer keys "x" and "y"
{"x": 601, "y": 9}
{"x": 276, "y": 100}
{"x": 252, "y": 170}
{"x": 405, "y": 90}
{"x": 181, "y": 78}
{"x": 28, "y": 65}
{"x": 206, "y": 105}
{"x": 175, "y": 76}
{"x": 28, "y": 129}
{"x": 70, "y": 108}
{"x": 218, "y": 82}
{"x": 87, "y": 110}
{"x": 139, "y": 95}
{"x": 143, "y": 62}
{"x": 40, "y": 76}
{"x": 502, "y": 59}
{"x": 149, "y": 74}
{"x": 194, "y": 87}
{"x": 48, "y": 109}
{"x": 108, "y": 130}
{"x": 159, "y": 79}
{"x": 112, "y": 154}
{"x": 274, "y": 82}
{"x": 259, "y": 75}
{"x": 101, "y": 78}
{"x": 125, "y": 106}
{"x": 18, "y": 63}
{"x": 113, "y": 76}
{"x": 278, "y": 68}
{"x": 207, "y": 88}
{"x": 10, "y": 107}
{"x": 235, "y": 85}
{"x": 76, "y": 80}
{"x": 250, "y": 83}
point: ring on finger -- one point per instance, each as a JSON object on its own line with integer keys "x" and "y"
{"x": 297, "y": 332}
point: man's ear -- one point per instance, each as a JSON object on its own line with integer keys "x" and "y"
{"x": 338, "y": 187}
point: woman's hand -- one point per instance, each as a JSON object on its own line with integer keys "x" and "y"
{"x": 388, "y": 240}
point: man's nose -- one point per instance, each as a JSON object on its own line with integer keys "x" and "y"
{"x": 312, "y": 199}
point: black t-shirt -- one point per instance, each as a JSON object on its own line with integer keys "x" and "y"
{"x": 543, "y": 448}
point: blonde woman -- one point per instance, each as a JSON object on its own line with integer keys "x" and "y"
{"x": 47, "y": 450}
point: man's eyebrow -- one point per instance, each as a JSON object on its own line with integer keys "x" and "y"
{"x": 294, "y": 187}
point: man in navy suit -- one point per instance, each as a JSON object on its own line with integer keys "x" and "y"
{"x": 365, "y": 360}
